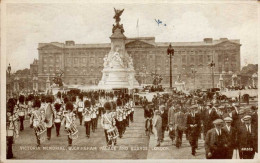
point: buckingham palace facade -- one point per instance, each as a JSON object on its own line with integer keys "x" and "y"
{"x": 82, "y": 63}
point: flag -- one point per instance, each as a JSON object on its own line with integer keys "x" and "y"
{"x": 137, "y": 23}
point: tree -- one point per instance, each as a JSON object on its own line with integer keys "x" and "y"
{"x": 247, "y": 72}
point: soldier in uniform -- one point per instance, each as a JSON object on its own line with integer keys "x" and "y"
{"x": 57, "y": 118}
{"x": 131, "y": 104}
{"x": 247, "y": 139}
{"x": 216, "y": 142}
{"x": 119, "y": 118}
{"x": 80, "y": 106}
{"x": 193, "y": 126}
{"x": 231, "y": 139}
{"x": 49, "y": 115}
{"x": 93, "y": 114}
{"x": 69, "y": 119}
{"x": 108, "y": 121}
{"x": 87, "y": 117}
{"x": 21, "y": 111}
{"x": 37, "y": 117}
{"x": 11, "y": 117}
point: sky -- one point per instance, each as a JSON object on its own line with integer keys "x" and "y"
{"x": 28, "y": 24}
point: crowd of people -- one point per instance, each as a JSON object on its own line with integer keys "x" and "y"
{"x": 225, "y": 127}
{"x": 47, "y": 111}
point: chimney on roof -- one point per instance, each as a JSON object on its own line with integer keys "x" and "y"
{"x": 208, "y": 40}
{"x": 69, "y": 43}
{"x": 223, "y": 39}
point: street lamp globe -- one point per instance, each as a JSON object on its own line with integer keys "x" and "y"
{"x": 9, "y": 69}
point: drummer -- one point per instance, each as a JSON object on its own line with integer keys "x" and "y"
{"x": 37, "y": 118}
{"x": 108, "y": 121}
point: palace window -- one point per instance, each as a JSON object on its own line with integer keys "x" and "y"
{"x": 183, "y": 59}
{"x": 192, "y": 59}
{"x": 209, "y": 58}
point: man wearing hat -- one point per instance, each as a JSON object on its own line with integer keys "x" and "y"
{"x": 179, "y": 123}
{"x": 164, "y": 115}
{"x": 230, "y": 137}
{"x": 193, "y": 127}
{"x": 247, "y": 139}
{"x": 216, "y": 141}
{"x": 108, "y": 121}
{"x": 209, "y": 116}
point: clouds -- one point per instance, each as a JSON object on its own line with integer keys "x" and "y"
{"x": 30, "y": 24}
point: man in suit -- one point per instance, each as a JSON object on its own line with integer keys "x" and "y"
{"x": 209, "y": 116}
{"x": 193, "y": 127}
{"x": 179, "y": 123}
{"x": 216, "y": 143}
{"x": 231, "y": 137}
{"x": 164, "y": 115}
{"x": 171, "y": 113}
{"x": 247, "y": 138}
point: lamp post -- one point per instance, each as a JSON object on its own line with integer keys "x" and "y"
{"x": 193, "y": 71}
{"x": 212, "y": 65}
{"x": 9, "y": 80}
{"x": 170, "y": 52}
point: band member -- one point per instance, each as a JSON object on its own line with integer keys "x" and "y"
{"x": 30, "y": 100}
{"x": 11, "y": 117}
{"x": 216, "y": 144}
{"x": 57, "y": 118}
{"x": 247, "y": 139}
{"x": 98, "y": 112}
{"x": 69, "y": 120}
{"x": 49, "y": 115}
{"x": 21, "y": 111}
{"x": 58, "y": 99}
{"x": 124, "y": 117}
{"x": 87, "y": 116}
{"x": 193, "y": 126}
{"x": 93, "y": 115}
{"x": 108, "y": 121}
{"x": 80, "y": 106}
{"x": 157, "y": 123}
{"x": 230, "y": 137}
{"x": 36, "y": 119}
{"x": 128, "y": 110}
{"x": 131, "y": 104}
{"x": 119, "y": 118}
{"x": 180, "y": 125}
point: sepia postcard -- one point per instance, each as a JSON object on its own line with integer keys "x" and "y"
{"x": 112, "y": 80}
